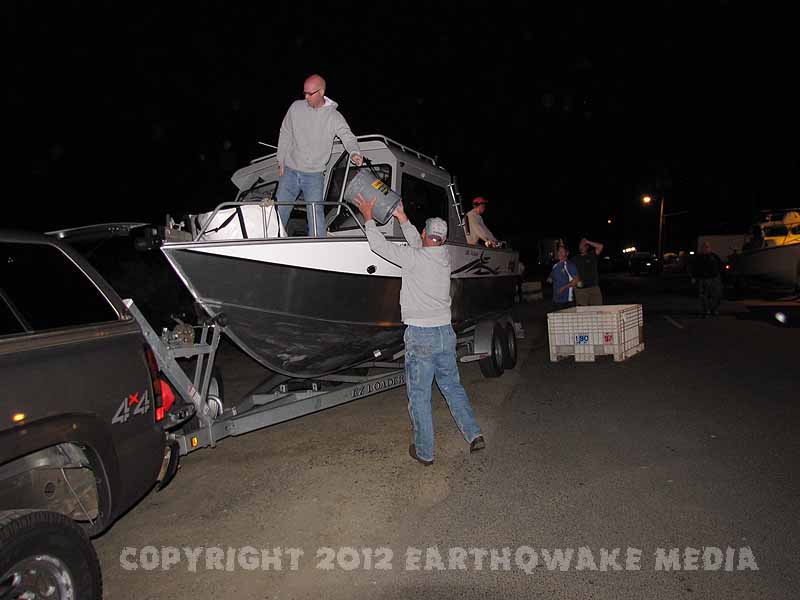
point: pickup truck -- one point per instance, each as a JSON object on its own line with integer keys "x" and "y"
{"x": 81, "y": 411}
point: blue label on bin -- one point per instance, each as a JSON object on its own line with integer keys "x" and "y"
{"x": 581, "y": 339}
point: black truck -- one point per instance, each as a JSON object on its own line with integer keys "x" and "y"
{"x": 81, "y": 418}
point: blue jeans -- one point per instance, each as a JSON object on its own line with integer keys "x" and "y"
{"x": 311, "y": 184}
{"x": 431, "y": 351}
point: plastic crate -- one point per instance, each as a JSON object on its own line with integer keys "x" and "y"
{"x": 586, "y": 332}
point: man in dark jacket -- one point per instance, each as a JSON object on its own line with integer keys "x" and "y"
{"x": 707, "y": 273}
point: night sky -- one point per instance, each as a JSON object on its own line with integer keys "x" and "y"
{"x": 562, "y": 114}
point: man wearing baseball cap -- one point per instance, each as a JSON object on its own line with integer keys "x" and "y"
{"x": 429, "y": 338}
{"x": 478, "y": 231}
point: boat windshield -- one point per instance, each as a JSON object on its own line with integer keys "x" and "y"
{"x": 776, "y": 231}
{"x": 263, "y": 190}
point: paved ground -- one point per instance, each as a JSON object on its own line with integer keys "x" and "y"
{"x": 690, "y": 445}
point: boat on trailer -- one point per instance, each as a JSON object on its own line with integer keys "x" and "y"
{"x": 306, "y": 306}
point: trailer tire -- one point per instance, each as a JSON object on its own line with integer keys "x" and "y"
{"x": 47, "y": 552}
{"x": 492, "y": 365}
{"x": 510, "y": 354}
{"x": 216, "y": 392}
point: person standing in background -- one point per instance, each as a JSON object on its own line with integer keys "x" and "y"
{"x": 588, "y": 292}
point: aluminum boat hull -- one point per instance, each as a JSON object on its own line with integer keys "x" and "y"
{"x": 305, "y": 307}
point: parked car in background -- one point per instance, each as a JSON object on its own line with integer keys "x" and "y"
{"x": 642, "y": 263}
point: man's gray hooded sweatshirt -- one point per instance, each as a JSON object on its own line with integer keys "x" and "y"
{"x": 307, "y": 135}
{"x": 425, "y": 291}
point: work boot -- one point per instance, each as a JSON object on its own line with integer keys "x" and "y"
{"x": 477, "y": 444}
{"x": 412, "y": 451}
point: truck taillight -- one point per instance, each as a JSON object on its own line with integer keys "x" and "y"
{"x": 167, "y": 399}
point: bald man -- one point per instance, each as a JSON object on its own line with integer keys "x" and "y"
{"x": 304, "y": 148}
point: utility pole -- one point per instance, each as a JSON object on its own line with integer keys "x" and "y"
{"x": 660, "y": 234}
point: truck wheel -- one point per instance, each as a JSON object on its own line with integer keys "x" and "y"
{"x": 492, "y": 365}
{"x": 46, "y": 555}
{"x": 510, "y": 354}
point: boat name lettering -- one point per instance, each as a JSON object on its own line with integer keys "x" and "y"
{"x": 377, "y": 386}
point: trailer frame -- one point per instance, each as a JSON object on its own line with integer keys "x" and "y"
{"x": 204, "y": 420}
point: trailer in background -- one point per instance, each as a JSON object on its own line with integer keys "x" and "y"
{"x": 723, "y": 246}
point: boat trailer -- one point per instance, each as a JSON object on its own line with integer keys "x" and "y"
{"x": 204, "y": 420}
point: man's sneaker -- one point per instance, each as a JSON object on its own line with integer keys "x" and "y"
{"x": 412, "y": 451}
{"x": 477, "y": 444}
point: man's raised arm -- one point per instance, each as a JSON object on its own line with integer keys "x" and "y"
{"x": 402, "y": 256}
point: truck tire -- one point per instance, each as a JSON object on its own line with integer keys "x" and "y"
{"x": 492, "y": 365}
{"x": 44, "y": 554}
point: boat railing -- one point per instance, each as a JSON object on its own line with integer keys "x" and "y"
{"x": 389, "y": 142}
{"x": 269, "y": 210}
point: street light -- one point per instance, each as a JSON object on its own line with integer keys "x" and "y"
{"x": 648, "y": 200}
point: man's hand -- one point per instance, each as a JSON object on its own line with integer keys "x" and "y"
{"x": 280, "y": 170}
{"x": 365, "y": 206}
{"x": 357, "y": 159}
{"x": 400, "y": 214}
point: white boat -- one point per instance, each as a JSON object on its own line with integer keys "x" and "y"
{"x": 305, "y": 306}
{"x": 770, "y": 259}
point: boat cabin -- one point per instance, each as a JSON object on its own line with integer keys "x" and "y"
{"x": 426, "y": 188}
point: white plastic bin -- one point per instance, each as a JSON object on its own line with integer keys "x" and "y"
{"x": 586, "y": 332}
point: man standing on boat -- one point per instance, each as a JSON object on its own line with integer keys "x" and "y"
{"x": 304, "y": 148}
{"x": 429, "y": 338}
{"x": 478, "y": 231}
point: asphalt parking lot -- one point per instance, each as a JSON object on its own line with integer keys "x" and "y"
{"x": 672, "y": 474}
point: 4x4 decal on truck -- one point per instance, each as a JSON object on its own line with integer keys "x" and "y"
{"x": 141, "y": 402}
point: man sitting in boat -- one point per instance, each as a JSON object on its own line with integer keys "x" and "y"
{"x": 429, "y": 338}
{"x": 304, "y": 148}
{"x": 478, "y": 231}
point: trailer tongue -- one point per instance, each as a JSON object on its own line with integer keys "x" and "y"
{"x": 280, "y": 400}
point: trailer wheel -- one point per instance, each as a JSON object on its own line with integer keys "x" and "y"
{"x": 216, "y": 392}
{"x": 44, "y": 554}
{"x": 492, "y": 365}
{"x": 510, "y": 354}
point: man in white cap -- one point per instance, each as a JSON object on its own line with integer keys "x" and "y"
{"x": 478, "y": 231}
{"x": 429, "y": 338}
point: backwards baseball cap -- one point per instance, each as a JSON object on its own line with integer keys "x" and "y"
{"x": 479, "y": 200}
{"x": 436, "y": 229}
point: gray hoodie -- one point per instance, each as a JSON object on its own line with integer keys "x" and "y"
{"x": 307, "y": 135}
{"x": 425, "y": 291}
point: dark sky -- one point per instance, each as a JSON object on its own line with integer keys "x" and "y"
{"x": 561, "y": 114}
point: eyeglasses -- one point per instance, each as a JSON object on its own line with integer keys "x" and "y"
{"x": 305, "y": 93}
